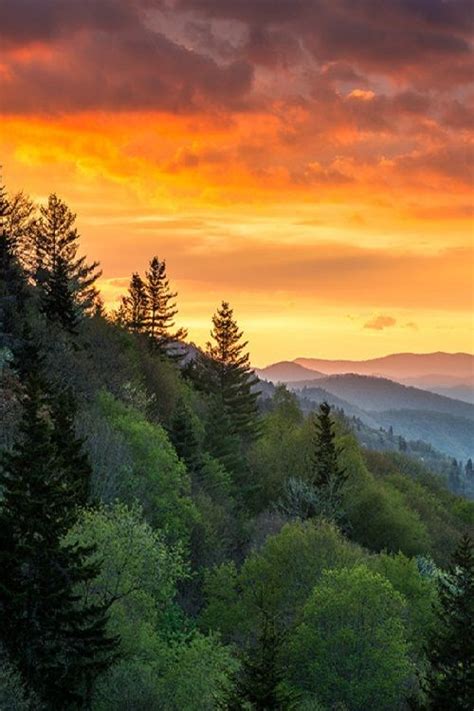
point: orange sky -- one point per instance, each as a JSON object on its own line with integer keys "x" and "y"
{"x": 307, "y": 160}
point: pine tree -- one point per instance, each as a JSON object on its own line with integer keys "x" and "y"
{"x": 230, "y": 377}
{"x": 132, "y": 312}
{"x": 262, "y": 671}
{"x": 454, "y": 476}
{"x": 57, "y": 643}
{"x": 13, "y": 285}
{"x": 56, "y": 263}
{"x": 221, "y": 440}
{"x": 161, "y": 308}
{"x": 451, "y": 654}
{"x": 185, "y": 438}
{"x": 327, "y": 475}
{"x": 57, "y": 299}
{"x": 469, "y": 470}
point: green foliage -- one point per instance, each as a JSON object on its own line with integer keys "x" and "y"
{"x": 281, "y": 451}
{"x": 134, "y": 460}
{"x": 138, "y": 576}
{"x": 256, "y": 606}
{"x": 189, "y": 674}
{"x": 379, "y": 516}
{"x": 419, "y": 592}
{"x": 350, "y": 646}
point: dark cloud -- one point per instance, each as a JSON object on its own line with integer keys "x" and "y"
{"x": 176, "y": 55}
{"x": 133, "y": 69}
{"x": 27, "y": 21}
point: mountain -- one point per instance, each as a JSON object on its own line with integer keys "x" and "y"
{"x": 286, "y": 372}
{"x": 399, "y": 366}
{"x": 457, "y": 388}
{"x": 450, "y": 434}
{"x": 379, "y": 394}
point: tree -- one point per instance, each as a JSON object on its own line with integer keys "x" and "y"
{"x": 132, "y": 312}
{"x": 454, "y": 476}
{"x": 163, "y": 664}
{"x": 451, "y": 653}
{"x": 184, "y": 435}
{"x": 13, "y": 287}
{"x": 57, "y": 645}
{"x": 350, "y": 646}
{"x": 57, "y": 300}
{"x": 327, "y": 475}
{"x": 161, "y": 308}
{"x": 256, "y": 606}
{"x": 66, "y": 280}
{"x": 230, "y": 375}
{"x": 469, "y": 470}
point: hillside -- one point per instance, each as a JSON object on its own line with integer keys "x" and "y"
{"x": 378, "y": 394}
{"x": 450, "y": 434}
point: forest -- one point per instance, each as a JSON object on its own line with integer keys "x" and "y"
{"x": 174, "y": 535}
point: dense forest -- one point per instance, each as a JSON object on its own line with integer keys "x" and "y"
{"x": 176, "y": 537}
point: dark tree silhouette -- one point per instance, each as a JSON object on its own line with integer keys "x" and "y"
{"x": 132, "y": 312}
{"x": 13, "y": 285}
{"x": 327, "y": 475}
{"x": 58, "y": 644}
{"x": 230, "y": 376}
{"x": 57, "y": 266}
{"x": 451, "y": 654}
{"x": 161, "y": 308}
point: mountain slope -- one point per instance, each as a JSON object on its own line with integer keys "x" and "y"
{"x": 450, "y": 434}
{"x": 379, "y": 394}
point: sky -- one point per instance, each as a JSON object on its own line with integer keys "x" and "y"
{"x": 309, "y": 161}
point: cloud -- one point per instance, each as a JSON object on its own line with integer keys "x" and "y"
{"x": 378, "y": 323}
{"x": 132, "y": 69}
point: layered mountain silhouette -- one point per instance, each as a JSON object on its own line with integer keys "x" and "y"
{"x": 406, "y": 392}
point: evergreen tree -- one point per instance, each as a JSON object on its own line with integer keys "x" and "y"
{"x": 454, "y": 476}
{"x": 58, "y": 644}
{"x": 327, "y": 475}
{"x": 185, "y": 438}
{"x": 57, "y": 299}
{"x": 451, "y": 654}
{"x": 13, "y": 286}
{"x": 469, "y": 470}
{"x": 161, "y": 308}
{"x": 230, "y": 377}
{"x": 221, "y": 441}
{"x": 57, "y": 270}
{"x": 262, "y": 671}
{"x": 132, "y": 312}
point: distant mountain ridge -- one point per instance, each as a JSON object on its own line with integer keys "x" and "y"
{"x": 287, "y": 372}
{"x": 374, "y": 394}
{"x": 399, "y": 365}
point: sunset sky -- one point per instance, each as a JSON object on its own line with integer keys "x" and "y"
{"x": 307, "y": 160}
